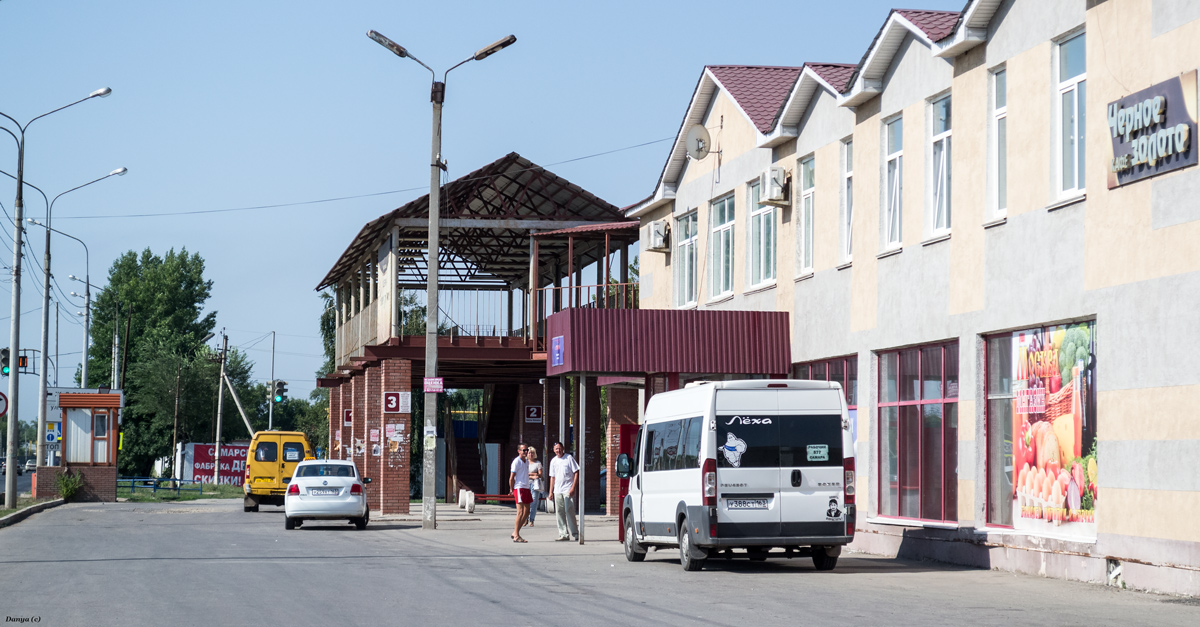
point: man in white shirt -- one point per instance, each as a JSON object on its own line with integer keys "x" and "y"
{"x": 518, "y": 483}
{"x": 563, "y": 471}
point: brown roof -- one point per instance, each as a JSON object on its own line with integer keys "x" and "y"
{"x": 760, "y": 91}
{"x": 836, "y": 74}
{"x": 592, "y": 228}
{"x": 937, "y": 25}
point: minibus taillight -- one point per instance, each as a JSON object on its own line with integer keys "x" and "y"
{"x": 709, "y": 481}
{"x": 848, "y": 467}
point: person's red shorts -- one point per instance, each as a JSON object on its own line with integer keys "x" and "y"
{"x": 523, "y": 495}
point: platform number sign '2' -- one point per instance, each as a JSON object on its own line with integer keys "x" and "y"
{"x": 533, "y": 413}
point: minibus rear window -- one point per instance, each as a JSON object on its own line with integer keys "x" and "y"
{"x": 810, "y": 441}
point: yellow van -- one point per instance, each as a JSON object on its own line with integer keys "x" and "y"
{"x": 270, "y": 462}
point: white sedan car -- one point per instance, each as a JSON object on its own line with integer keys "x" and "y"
{"x": 325, "y": 489}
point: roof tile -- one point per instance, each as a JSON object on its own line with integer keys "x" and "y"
{"x": 937, "y": 25}
{"x": 761, "y": 91}
{"x": 836, "y": 74}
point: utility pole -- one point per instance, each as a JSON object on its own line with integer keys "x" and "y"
{"x": 429, "y": 457}
{"x": 57, "y": 319}
{"x": 220, "y": 407}
{"x": 175, "y": 429}
{"x": 271, "y": 400}
{"x": 116, "y": 343}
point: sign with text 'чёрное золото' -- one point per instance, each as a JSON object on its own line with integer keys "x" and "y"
{"x": 1153, "y": 130}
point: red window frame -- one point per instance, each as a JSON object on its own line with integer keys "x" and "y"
{"x": 948, "y": 499}
{"x": 822, "y": 370}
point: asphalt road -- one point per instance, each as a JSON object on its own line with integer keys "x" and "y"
{"x": 208, "y": 563}
{"x": 24, "y": 482}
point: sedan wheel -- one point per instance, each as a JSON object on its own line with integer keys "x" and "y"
{"x": 361, "y": 523}
{"x": 288, "y": 523}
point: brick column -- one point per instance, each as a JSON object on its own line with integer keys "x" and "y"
{"x": 372, "y": 421}
{"x": 622, "y": 410}
{"x": 396, "y": 376}
{"x": 358, "y": 429}
{"x": 346, "y": 390}
{"x": 592, "y": 440}
{"x": 335, "y": 421}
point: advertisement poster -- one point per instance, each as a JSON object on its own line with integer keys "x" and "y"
{"x": 233, "y": 463}
{"x": 1054, "y": 430}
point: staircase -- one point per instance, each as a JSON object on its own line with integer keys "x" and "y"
{"x": 470, "y": 474}
{"x": 504, "y": 414}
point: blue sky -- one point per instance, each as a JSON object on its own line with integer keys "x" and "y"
{"x": 227, "y": 105}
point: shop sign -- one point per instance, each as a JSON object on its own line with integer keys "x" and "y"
{"x": 1153, "y": 130}
{"x": 1054, "y": 430}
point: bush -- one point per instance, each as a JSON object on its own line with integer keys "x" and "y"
{"x": 69, "y": 484}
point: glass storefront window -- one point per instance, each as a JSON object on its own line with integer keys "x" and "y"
{"x": 918, "y": 424}
{"x": 1041, "y": 429}
{"x": 844, "y": 370}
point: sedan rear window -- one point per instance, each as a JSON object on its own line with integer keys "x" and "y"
{"x": 325, "y": 470}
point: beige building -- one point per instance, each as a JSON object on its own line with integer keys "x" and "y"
{"x": 987, "y": 230}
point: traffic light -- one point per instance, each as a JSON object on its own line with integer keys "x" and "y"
{"x": 4, "y": 368}
{"x": 279, "y": 391}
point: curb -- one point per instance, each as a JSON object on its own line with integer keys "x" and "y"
{"x": 17, "y": 517}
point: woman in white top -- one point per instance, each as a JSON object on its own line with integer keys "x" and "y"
{"x": 535, "y": 484}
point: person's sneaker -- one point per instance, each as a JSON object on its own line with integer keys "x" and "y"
{"x": 575, "y": 538}
{"x": 561, "y": 539}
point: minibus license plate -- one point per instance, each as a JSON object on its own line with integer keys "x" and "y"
{"x": 746, "y": 503}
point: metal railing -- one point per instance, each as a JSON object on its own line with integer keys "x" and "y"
{"x": 154, "y": 484}
{"x": 610, "y": 296}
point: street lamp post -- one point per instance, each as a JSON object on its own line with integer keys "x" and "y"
{"x": 10, "y": 480}
{"x": 43, "y": 379}
{"x": 437, "y": 96}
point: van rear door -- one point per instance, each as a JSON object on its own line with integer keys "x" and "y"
{"x": 292, "y": 453}
{"x": 263, "y": 466}
{"x": 747, "y": 450}
{"x": 810, "y": 463}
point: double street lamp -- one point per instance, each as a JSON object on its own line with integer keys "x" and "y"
{"x": 437, "y": 96}
{"x": 10, "y": 480}
{"x": 43, "y": 379}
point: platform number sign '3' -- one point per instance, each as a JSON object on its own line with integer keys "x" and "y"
{"x": 391, "y": 402}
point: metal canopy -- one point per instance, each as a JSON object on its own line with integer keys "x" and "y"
{"x": 486, "y": 220}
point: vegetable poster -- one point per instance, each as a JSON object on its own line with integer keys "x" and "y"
{"x": 1054, "y": 430}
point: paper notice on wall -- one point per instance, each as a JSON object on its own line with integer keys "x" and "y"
{"x": 374, "y": 435}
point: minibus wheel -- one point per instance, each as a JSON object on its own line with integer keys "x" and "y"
{"x": 634, "y": 551}
{"x": 686, "y": 559}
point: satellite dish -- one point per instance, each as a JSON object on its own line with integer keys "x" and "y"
{"x": 698, "y": 142}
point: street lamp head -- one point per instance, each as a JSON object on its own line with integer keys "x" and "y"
{"x": 396, "y": 48}
{"x": 79, "y": 313}
{"x": 32, "y": 221}
{"x": 207, "y": 338}
{"x": 119, "y": 172}
{"x": 72, "y": 277}
{"x": 103, "y": 92}
{"x": 76, "y": 295}
{"x": 496, "y": 47}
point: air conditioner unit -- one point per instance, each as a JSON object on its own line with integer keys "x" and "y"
{"x": 660, "y": 236}
{"x": 775, "y": 187}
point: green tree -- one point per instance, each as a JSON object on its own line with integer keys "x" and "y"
{"x": 156, "y": 305}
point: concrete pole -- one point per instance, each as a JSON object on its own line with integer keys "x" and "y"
{"x": 429, "y": 459}
{"x": 44, "y": 379}
{"x": 271, "y": 392}
{"x": 87, "y": 327}
{"x": 10, "y": 478}
{"x": 220, "y": 408}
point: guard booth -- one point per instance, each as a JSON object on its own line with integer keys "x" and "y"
{"x": 86, "y": 423}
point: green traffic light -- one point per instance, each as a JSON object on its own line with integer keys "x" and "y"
{"x": 278, "y": 398}
{"x": 5, "y": 371}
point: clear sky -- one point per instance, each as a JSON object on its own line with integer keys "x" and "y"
{"x": 229, "y": 105}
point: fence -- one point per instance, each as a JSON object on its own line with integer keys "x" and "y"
{"x": 153, "y": 484}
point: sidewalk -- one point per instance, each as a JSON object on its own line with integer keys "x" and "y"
{"x": 493, "y": 523}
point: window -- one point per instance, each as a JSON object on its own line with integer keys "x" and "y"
{"x": 844, "y": 370}
{"x": 1000, "y": 141}
{"x": 685, "y": 260}
{"x": 918, "y": 426}
{"x": 266, "y": 452}
{"x": 1072, "y": 107}
{"x": 720, "y": 246}
{"x": 762, "y": 238}
{"x": 804, "y": 243}
{"x": 894, "y": 184}
{"x": 847, "y": 200}
{"x": 940, "y": 152}
{"x": 674, "y": 445}
{"x": 1041, "y": 429}
{"x": 293, "y": 451}
{"x": 325, "y": 470}
{"x": 100, "y": 437}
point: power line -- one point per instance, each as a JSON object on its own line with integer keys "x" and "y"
{"x": 340, "y": 198}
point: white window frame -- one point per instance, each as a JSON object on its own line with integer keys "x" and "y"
{"x": 762, "y": 237}
{"x": 847, "y": 234}
{"x": 686, "y": 272}
{"x": 721, "y": 246}
{"x": 1075, "y": 86}
{"x": 999, "y": 149}
{"x": 807, "y": 215}
{"x": 892, "y": 222}
{"x": 941, "y": 159}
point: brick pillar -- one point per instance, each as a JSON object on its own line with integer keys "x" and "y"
{"x": 335, "y": 421}
{"x": 592, "y": 440}
{"x": 358, "y": 428}
{"x": 395, "y": 376}
{"x": 346, "y": 390}
{"x": 622, "y": 410}
{"x": 373, "y": 422}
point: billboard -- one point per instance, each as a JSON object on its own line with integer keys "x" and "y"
{"x": 1153, "y": 130}
{"x": 199, "y": 459}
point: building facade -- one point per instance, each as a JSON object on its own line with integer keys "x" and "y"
{"x": 987, "y": 229}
